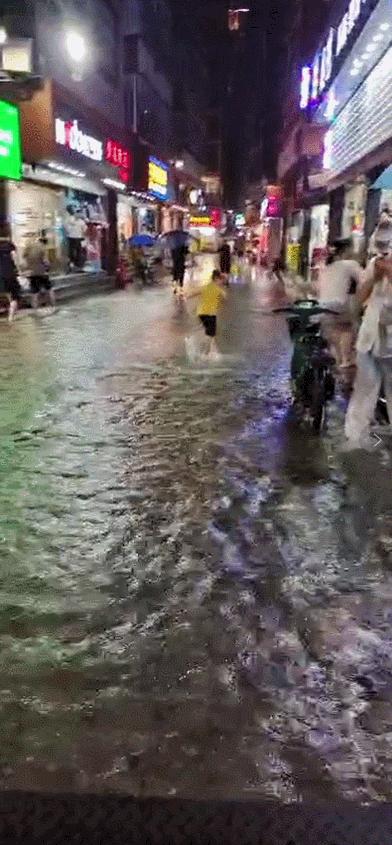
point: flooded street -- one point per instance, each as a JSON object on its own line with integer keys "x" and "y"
{"x": 195, "y": 595}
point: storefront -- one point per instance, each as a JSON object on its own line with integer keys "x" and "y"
{"x": 202, "y": 228}
{"x": 40, "y": 205}
{"x": 73, "y": 176}
{"x": 347, "y": 91}
{"x": 357, "y": 106}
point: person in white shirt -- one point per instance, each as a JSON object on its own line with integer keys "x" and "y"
{"x": 337, "y": 288}
{"x": 374, "y": 352}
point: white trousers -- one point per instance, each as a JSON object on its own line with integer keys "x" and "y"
{"x": 371, "y": 373}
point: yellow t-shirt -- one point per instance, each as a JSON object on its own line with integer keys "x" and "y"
{"x": 211, "y": 298}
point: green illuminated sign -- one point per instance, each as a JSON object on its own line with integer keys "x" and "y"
{"x": 10, "y": 151}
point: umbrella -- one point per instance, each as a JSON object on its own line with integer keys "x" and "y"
{"x": 175, "y": 238}
{"x": 141, "y": 240}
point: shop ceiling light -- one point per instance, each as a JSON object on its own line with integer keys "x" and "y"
{"x": 385, "y": 26}
{"x": 357, "y": 63}
{"x": 63, "y": 168}
{"x": 378, "y": 37}
{"x": 3, "y": 35}
{"x": 114, "y": 183}
{"x": 371, "y": 48}
{"x": 354, "y": 71}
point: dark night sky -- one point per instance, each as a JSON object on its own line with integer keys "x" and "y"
{"x": 248, "y": 75}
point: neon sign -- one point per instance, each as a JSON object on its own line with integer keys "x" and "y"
{"x": 347, "y": 24}
{"x": 306, "y": 79}
{"x": 328, "y": 150}
{"x": 69, "y": 135}
{"x": 118, "y": 155}
{"x": 158, "y": 178}
{"x": 326, "y": 65}
{"x": 315, "y": 79}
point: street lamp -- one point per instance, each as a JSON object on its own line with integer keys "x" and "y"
{"x": 76, "y": 46}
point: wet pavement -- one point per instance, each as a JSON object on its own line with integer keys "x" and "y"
{"x": 195, "y": 594}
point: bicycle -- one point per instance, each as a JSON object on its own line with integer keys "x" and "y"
{"x": 312, "y": 378}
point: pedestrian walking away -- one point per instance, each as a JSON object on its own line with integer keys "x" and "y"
{"x": 374, "y": 353}
{"x": 337, "y": 290}
{"x": 179, "y": 254}
{"x": 37, "y": 268}
{"x": 225, "y": 259}
{"x": 9, "y": 283}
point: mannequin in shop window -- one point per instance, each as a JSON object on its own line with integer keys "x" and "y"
{"x": 75, "y": 229}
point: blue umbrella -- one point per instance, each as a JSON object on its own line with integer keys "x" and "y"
{"x": 141, "y": 240}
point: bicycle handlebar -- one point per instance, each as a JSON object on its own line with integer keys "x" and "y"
{"x": 313, "y": 311}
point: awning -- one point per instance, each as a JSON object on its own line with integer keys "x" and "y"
{"x": 384, "y": 182}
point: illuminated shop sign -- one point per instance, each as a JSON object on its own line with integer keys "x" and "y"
{"x": 10, "y": 148}
{"x": 68, "y": 134}
{"x": 315, "y": 78}
{"x": 344, "y": 143}
{"x": 200, "y": 221}
{"x": 306, "y": 81}
{"x": 118, "y": 155}
{"x": 347, "y": 24}
{"x": 158, "y": 178}
{"x": 216, "y": 217}
{"x": 272, "y": 202}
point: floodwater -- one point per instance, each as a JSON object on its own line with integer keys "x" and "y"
{"x": 195, "y": 594}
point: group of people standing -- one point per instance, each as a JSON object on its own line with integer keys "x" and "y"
{"x": 362, "y": 322}
{"x": 34, "y": 263}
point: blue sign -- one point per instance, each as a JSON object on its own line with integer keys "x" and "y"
{"x": 158, "y": 178}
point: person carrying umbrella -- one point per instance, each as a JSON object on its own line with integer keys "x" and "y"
{"x": 179, "y": 254}
{"x": 177, "y": 242}
{"x": 225, "y": 259}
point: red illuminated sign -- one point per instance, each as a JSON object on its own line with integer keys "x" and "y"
{"x": 274, "y": 207}
{"x": 216, "y": 218}
{"x": 118, "y": 155}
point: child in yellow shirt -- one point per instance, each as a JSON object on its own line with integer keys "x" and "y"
{"x": 212, "y": 296}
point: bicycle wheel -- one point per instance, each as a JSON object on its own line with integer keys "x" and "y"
{"x": 319, "y": 402}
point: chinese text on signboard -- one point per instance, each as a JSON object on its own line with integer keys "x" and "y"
{"x": 119, "y": 156}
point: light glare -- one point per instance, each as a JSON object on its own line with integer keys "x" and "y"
{"x": 76, "y": 46}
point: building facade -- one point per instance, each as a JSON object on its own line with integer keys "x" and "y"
{"x": 334, "y": 162}
{"x": 98, "y": 132}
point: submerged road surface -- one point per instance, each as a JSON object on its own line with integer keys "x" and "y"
{"x": 195, "y": 595}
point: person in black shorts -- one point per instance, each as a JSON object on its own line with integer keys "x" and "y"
{"x": 209, "y": 323}
{"x": 8, "y": 271}
{"x": 211, "y": 297}
{"x": 37, "y": 266}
